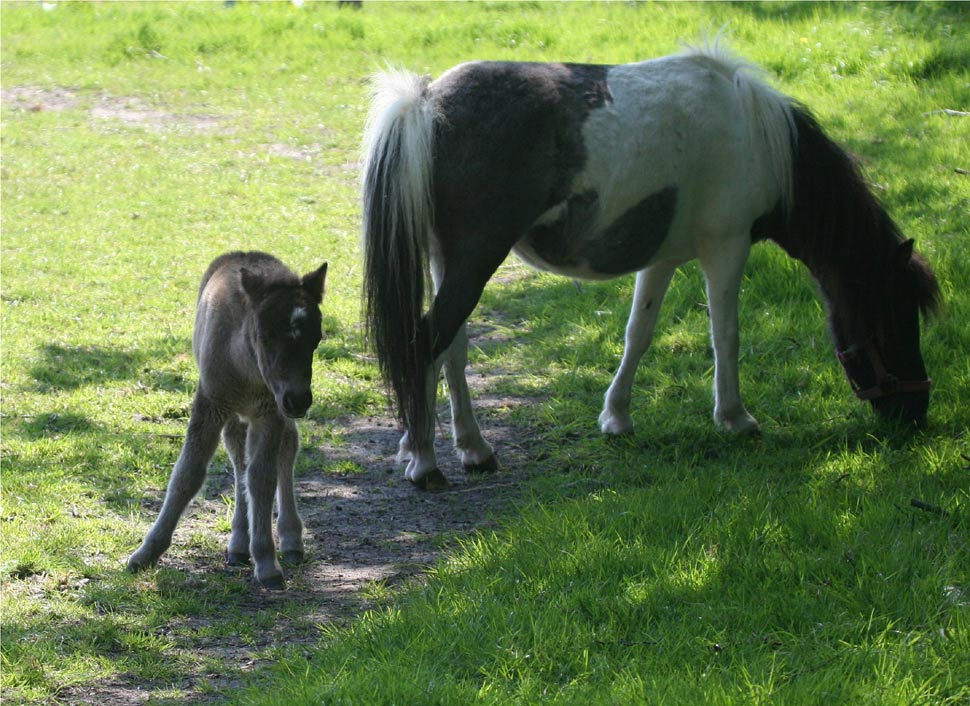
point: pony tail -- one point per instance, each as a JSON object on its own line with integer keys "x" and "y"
{"x": 397, "y": 223}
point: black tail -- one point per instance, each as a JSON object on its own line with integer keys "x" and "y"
{"x": 397, "y": 214}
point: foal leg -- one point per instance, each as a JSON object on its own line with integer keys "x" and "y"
{"x": 234, "y": 439}
{"x": 289, "y": 526}
{"x": 648, "y": 294}
{"x": 200, "y": 443}
{"x": 723, "y": 270}
{"x": 263, "y": 443}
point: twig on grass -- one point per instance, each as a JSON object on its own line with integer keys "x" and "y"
{"x": 928, "y": 507}
{"x": 948, "y": 111}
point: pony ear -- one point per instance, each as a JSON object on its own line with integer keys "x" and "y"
{"x": 904, "y": 253}
{"x": 314, "y": 282}
{"x": 252, "y": 284}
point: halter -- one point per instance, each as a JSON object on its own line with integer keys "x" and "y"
{"x": 887, "y": 384}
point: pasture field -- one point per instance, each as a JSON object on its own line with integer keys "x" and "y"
{"x": 677, "y": 566}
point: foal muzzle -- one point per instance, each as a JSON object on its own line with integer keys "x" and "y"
{"x": 294, "y": 404}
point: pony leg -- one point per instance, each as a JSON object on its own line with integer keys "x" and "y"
{"x": 422, "y": 461}
{"x": 648, "y": 294}
{"x": 263, "y": 443}
{"x": 234, "y": 439}
{"x": 289, "y": 526}
{"x": 723, "y": 271}
{"x": 462, "y": 278}
{"x": 475, "y": 452}
{"x": 200, "y": 443}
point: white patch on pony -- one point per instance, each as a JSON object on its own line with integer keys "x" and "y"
{"x": 552, "y": 215}
{"x": 686, "y": 121}
{"x": 298, "y": 313}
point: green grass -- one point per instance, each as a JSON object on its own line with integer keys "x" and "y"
{"x": 677, "y": 566}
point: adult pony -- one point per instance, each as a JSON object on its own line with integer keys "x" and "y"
{"x": 598, "y": 171}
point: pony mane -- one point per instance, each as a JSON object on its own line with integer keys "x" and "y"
{"x": 769, "y": 111}
{"x": 841, "y": 231}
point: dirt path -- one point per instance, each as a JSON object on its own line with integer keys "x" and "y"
{"x": 361, "y": 528}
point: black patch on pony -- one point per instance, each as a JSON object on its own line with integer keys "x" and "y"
{"x": 630, "y": 242}
{"x": 625, "y": 245}
{"x": 549, "y": 240}
{"x": 508, "y": 142}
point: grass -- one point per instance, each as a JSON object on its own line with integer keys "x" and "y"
{"x": 677, "y": 566}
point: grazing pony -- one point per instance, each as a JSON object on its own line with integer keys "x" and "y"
{"x": 257, "y": 325}
{"x": 599, "y": 171}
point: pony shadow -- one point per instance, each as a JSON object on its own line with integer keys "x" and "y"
{"x": 555, "y": 338}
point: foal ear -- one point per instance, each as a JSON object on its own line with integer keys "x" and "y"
{"x": 314, "y": 282}
{"x": 904, "y": 253}
{"x": 252, "y": 283}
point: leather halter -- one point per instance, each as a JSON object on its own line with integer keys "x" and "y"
{"x": 887, "y": 384}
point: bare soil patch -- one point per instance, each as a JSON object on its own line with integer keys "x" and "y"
{"x": 361, "y": 528}
{"x": 36, "y": 99}
{"x": 102, "y": 106}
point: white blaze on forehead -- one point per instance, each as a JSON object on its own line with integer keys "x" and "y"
{"x": 299, "y": 313}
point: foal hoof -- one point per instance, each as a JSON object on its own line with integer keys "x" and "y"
{"x": 293, "y": 557}
{"x": 135, "y": 565}
{"x": 489, "y": 465}
{"x": 432, "y": 480}
{"x": 237, "y": 559}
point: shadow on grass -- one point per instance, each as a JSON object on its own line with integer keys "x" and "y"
{"x": 73, "y": 367}
{"x": 927, "y": 18}
{"x": 354, "y": 518}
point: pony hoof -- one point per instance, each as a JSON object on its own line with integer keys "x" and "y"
{"x": 745, "y": 429}
{"x": 432, "y": 480}
{"x": 272, "y": 583}
{"x": 489, "y": 465}
{"x": 616, "y": 432}
{"x": 293, "y": 557}
{"x": 237, "y": 559}
{"x": 739, "y": 424}
{"x": 614, "y": 425}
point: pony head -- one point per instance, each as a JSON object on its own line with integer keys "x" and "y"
{"x": 881, "y": 356}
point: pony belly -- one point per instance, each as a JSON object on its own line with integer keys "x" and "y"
{"x": 568, "y": 240}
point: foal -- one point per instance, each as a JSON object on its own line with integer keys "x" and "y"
{"x": 257, "y": 325}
